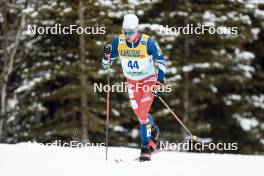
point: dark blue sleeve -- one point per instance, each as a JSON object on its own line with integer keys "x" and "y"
{"x": 155, "y": 51}
{"x": 114, "y": 52}
{"x": 113, "y": 55}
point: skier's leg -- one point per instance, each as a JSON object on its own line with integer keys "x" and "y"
{"x": 141, "y": 102}
{"x": 146, "y": 121}
{"x": 150, "y": 119}
{"x": 145, "y": 133}
{"x": 135, "y": 96}
{"x": 153, "y": 143}
{"x": 154, "y": 128}
{"x": 145, "y": 126}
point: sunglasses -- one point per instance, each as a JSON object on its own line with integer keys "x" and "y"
{"x": 129, "y": 32}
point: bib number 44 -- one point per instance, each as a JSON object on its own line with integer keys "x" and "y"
{"x": 132, "y": 64}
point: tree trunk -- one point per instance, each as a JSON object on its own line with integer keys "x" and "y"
{"x": 83, "y": 95}
{"x": 186, "y": 78}
{"x": 7, "y": 70}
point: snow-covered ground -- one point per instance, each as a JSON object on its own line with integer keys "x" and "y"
{"x": 26, "y": 159}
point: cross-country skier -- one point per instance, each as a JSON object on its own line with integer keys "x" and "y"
{"x": 138, "y": 53}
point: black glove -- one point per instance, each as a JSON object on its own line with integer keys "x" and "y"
{"x": 107, "y": 48}
{"x": 160, "y": 87}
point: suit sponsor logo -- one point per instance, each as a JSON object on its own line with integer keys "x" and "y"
{"x": 143, "y": 42}
{"x": 145, "y": 99}
{"x": 130, "y": 53}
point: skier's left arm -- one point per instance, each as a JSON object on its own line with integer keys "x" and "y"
{"x": 110, "y": 49}
{"x": 155, "y": 51}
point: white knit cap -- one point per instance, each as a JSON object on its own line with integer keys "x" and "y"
{"x": 130, "y": 22}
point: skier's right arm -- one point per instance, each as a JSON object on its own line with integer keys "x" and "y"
{"x": 112, "y": 50}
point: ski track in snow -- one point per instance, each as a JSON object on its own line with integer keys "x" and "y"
{"x": 26, "y": 159}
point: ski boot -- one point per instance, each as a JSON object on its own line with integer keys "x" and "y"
{"x": 153, "y": 143}
{"x": 145, "y": 154}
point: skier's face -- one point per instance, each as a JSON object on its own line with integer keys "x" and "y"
{"x": 130, "y": 35}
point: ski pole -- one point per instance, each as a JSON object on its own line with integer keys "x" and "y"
{"x": 177, "y": 118}
{"x": 107, "y": 107}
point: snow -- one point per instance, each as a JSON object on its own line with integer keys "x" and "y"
{"x": 244, "y": 55}
{"x": 140, "y": 12}
{"x": 12, "y": 103}
{"x": 27, "y": 159}
{"x": 245, "y": 19}
{"x": 243, "y": 60}
{"x": 55, "y": 4}
{"x": 250, "y": 6}
{"x": 190, "y": 67}
{"x": 246, "y": 70}
{"x": 255, "y": 1}
{"x": 202, "y": 65}
{"x": 67, "y": 10}
{"x": 230, "y": 99}
{"x": 259, "y": 13}
{"x": 217, "y": 65}
{"x": 235, "y": 16}
{"x": 140, "y": 2}
{"x": 117, "y": 128}
{"x": 28, "y": 85}
{"x": 182, "y": 13}
{"x": 37, "y": 106}
{"x": 169, "y": 47}
{"x": 118, "y": 14}
{"x": 10, "y": 119}
{"x": 34, "y": 15}
{"x": 209, "y": 18}
{"x": 257, "y": 100}
{"x": 197, "y": 80}
{"x": 153, "y": 27}
{"x": 172, "y": 14}
{"x": 174, "y": 78}
{"x": 235, "y": 97}
{"x": 172, "y": 70}
{"x": 105, "y": 2}
{"x": 115, "y": 112}
{"x": 133, "y": 2}
{"x": 28, "y": 10}
{"x": 213, "y": 88}
{"x": 246, "y": 123}
{"x": 255, "y": 32}
{"x": 45, "y": 7}
{"x": 187, "y": 68}
{"x": 134, "y": 133}
{"x": 49, "y": 22}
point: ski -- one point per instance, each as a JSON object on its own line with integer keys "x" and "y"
{"x": 120, "y": 160}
